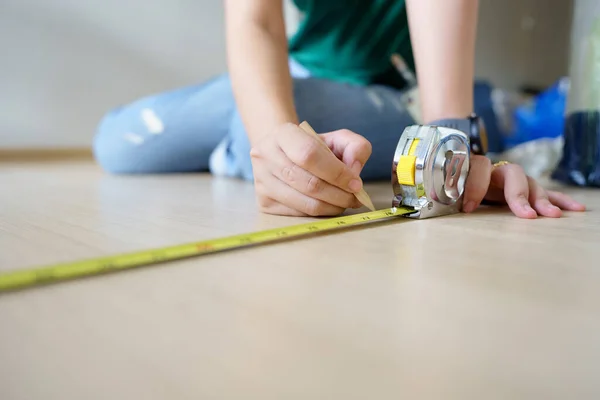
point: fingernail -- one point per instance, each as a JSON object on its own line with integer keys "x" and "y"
{"x": 356, "y": 168}
{"x": 355, "y": 185}
{"x": 469, "y": 206}
{"x": 576, "y": 206}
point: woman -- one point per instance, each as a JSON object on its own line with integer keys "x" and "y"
{"x": 335, "y": 72}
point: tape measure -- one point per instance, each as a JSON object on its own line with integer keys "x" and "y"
{"x": 429, "y": 170}
{"x": 96, "y": 266}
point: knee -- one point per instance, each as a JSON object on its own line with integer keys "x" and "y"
{"x": 115, "y": 143}
{"x": 239, "y": 162}
{"x": 118, "y": 145}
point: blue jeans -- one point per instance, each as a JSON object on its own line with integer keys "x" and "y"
{"x": 199, "y": 129}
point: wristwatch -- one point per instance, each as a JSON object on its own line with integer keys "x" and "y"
{"x": 473, "y": 126}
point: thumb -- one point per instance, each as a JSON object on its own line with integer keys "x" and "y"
{"x": 353, "y": 149}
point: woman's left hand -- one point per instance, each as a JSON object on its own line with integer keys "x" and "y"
{"x": 509, "y": 184}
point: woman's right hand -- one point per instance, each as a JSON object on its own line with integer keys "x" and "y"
{"x": 295, "y": 174}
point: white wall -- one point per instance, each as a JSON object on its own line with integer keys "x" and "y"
{"x": 523, "y": 41}
{"x": 65, "y": 62}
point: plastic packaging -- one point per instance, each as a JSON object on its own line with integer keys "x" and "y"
{"x": 580, "y": 162}
{"x": 532, "y": 128}
{"x": 542, "y": 117}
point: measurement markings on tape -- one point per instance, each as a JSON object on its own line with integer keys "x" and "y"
{"x": 20, "y": 279}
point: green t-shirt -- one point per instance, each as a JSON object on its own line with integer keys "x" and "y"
{"x": 352, "y": 40}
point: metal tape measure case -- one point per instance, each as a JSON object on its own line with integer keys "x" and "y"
{"x": 430, "y": 169}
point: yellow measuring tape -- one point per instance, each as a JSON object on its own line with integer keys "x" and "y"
{"x": 61, "y": 272}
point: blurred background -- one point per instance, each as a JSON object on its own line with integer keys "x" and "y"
{"x": 66, "y": 62}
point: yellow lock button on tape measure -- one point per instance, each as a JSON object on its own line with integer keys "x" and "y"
{"x": 432, "y": 158}
{"x": 405, "y": 171}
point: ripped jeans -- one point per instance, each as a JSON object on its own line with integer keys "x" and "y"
{"x": 198, "y": 128}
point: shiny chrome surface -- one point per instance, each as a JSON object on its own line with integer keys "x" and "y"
{"x": 450, "y": 163}
{"x": 441, "y": 170}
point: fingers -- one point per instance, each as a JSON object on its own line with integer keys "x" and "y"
{"x": 315, "y": 187}
{"x": 279, "y": 165}
{"x": 270, "y": 206}
{"x": 296, "y": 174}
{"x": 539, "y": 199}
{"x": 477, "y": 183}
{"x": 353, "y": 149}
{"x": 309, "y": 184}
{"x": 565, "y": 202}
{"x": 269, "y": 189}
{"x": 513, "y": 180}
{"x": 526, "y": 197}
{"x": 313, "y": 156}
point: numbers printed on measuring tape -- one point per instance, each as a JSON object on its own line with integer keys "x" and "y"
{"x": 107, "y": 266}
{"x": 204, "y": 247}
{"x": 56, "y": 273}
{"x": 44, "y": 276}
{"x": 158, "y": 257}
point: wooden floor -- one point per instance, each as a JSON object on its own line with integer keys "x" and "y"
{"x": 484, "y": 306}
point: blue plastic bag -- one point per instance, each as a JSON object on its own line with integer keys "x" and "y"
{"x": 543, "y": 117}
